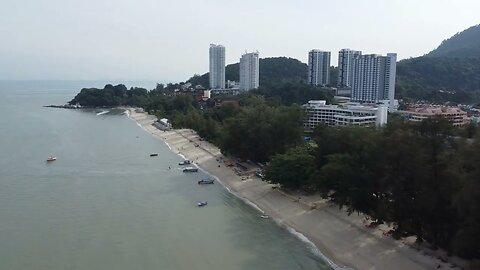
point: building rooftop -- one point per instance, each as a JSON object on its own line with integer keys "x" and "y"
{"x": 348, "y": 105}
{"x": 434, "y": 110}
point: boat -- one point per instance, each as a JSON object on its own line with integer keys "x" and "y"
{"x": 154, "y": 155}
{"x": 259, "y": 174}
{"x": 200, "y": 204}
{"x": 102, "y": 112}
{"x": 264, "y": 217}
{"x": 205, "y": 181}
{"x": 190, "y": 169}
{"x": 51, "y": 158}
{"x": 163, "y": 124}
{"x": 185, "y": 162}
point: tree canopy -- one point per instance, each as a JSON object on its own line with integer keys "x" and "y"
{"x": 418, "y": 176}
{"x": 111, "y": 96}
{"x": 448, "y": 73}
{"x": 439, "y": 79}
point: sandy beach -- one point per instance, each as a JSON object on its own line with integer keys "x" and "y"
{"x": 343, "y": 239}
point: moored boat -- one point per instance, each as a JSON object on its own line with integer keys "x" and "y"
{"x": 200, "y": 204}
{"x": 185, "y": 162}
{"x": 205, "y": 181}
{"x": 102, "y": 112}
{"x": 190, "y": 169}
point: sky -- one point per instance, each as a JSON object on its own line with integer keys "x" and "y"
{"x": 168, "y": 41}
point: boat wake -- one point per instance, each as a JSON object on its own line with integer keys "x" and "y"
{"x": 314, "y": 249}
{"x": 103, "y": 112}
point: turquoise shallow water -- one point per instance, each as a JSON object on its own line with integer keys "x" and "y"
{"x": 105, "y": 204}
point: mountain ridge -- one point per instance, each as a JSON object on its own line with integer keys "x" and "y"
{"x": 464, "y": 44}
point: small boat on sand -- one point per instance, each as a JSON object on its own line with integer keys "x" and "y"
{"x": 154, "y": 155}
{"x": 200, "y": 204}
{"x": 51, "y": 158}
{"x": 185, "y": 162}
{"x": 205, "y": 181}
{"x": 190, "y": 169}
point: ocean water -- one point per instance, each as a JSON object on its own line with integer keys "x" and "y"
{"x": 105, "y": 204}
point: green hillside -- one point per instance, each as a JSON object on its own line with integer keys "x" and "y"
{"x": 439, "y": 79}
{"x": 449, "y": 73}
{"x": 276, "y": 69}
{"x": 465, "y": 44}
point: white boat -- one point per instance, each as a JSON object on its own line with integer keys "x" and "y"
{"x": 103, "y": 112}
{"x": 190, "y": 169}
{"x": 200, "y": 204}
{"x": 163, "y": 124}
{"x": 185, "y": 162}
{"x": 264, "y": 217}
{"x": 51, "y": 158}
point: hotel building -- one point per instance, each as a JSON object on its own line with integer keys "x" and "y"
{"x": 318, "y": 112}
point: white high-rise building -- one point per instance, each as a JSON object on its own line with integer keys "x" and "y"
{"x": 217, "y": 66}
{"x": 318, "y": 67}
{"x": 249, "y": 71}
{"x": 345, "y": 67}
{"x": 374, "y": 78}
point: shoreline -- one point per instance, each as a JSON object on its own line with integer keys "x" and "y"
{"x": 341, "y": 240}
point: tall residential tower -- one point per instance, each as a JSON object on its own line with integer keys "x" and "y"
{"x": 318, "y": 67}
{"x": 249, "y": 71}
{"x": 217, "y": 66}
{"x": 374, "y": 78}
{"x": 345, "y": 67}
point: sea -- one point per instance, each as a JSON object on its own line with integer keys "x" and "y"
{"x": 106, "y": 204}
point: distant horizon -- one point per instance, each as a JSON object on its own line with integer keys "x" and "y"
{"x": 169, "y": 41}
{"x": 167, "y": 81}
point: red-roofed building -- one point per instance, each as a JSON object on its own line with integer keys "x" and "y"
{"x": 455, "y": 115}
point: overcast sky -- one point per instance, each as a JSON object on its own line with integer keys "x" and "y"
{"x": 169, "y": 40}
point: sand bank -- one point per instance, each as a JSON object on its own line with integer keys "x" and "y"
{"x": 343, "y": 239}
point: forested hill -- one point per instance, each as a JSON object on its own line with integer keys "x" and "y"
{"x": 465, "y": 44}
{"x": 449, "y": 73}
{"x": 439, "y": 79}
{"x": 275, "y": 69}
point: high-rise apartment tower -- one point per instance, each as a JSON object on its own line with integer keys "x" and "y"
{"x": 345, "y": 67}
{"x": 318, "y": 67}
{"x": 217, "y": 66}
{"x": 249, "y": 71}
{"x": 374, "y": 78}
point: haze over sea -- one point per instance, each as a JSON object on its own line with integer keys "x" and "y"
{"x": 105, "y": 204}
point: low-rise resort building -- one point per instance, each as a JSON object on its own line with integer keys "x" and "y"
{"x": 455, "y": 115}
{"x": 350, "y": 114}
